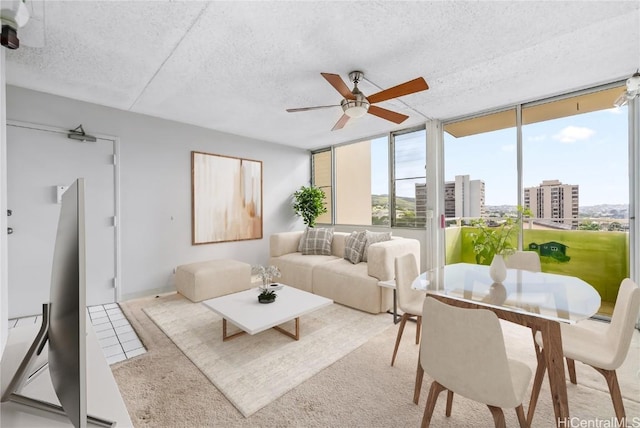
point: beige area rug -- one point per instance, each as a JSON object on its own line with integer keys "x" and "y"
{"x": 252, "y": 371}
{"x": 163, "y": 388}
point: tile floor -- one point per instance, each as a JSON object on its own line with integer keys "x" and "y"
{"x": 116, "y": 336}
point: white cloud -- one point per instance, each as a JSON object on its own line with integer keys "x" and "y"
{"x": 617, "y": 110}
{"x": 508, "y": 148}
{"x": 571, "y": 134}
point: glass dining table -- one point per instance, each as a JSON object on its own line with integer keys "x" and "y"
{"x": 538, "y": 300}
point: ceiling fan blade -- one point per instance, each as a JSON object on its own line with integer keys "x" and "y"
{"x": 293, "y": 110}
{"x": 341, "y": 122}
{"x": 406, "y": 88}
{"x": 387, "y": 114}
{"x": 337, "y": 82}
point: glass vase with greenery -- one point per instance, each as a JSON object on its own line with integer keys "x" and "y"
{"x": 490, "y": 239}
{"x": 309, "y": 203}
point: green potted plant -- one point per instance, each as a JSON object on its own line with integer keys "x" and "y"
{"x": 309, "y": 203}
{"x": 491, "y": 239}
{"x": 492, "y": 242}
{"x": 267, "y": 296}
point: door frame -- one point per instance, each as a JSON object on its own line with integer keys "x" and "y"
{"x": 116, "y": 187}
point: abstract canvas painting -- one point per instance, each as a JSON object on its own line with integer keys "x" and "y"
{"x": 226, "y": 198}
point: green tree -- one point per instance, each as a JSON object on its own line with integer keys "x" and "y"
{"x": 588, "y": 225}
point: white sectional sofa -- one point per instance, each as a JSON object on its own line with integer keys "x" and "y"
{"x": 332, "y": 276}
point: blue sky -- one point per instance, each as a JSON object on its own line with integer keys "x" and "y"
{"x": 590, "y": 150}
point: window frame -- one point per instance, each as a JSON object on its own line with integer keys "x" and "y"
{"x": 392, "y": 174}
{"x": 390, "y": 137}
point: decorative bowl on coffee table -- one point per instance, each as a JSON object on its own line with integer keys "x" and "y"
{"x": 267, "y": 296}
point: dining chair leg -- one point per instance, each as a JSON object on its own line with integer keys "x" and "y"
{"x": 434, "y": 391}
{"x": 498, "y": 416}
{"x": 449, "y": 402}
{"x": 535, "y": 344}
{"x": 571, "y": 368}
{"x": 418, "y": 386}
{"x": 403, "y": 321}
{"x": 614, "y": 390}
{"x": 537, "y": 384}
{"x": 522, "y": 420}
{"x": 418, "y": 327}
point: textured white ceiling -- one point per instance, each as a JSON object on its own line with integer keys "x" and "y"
{"x": 236, "y": 66}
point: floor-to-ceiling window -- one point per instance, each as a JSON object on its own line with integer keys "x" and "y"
{"x": 574, "y": 183}
{"x": 567, "y": 164}
{"x": 480, "y": 177}
{"x": 575, "y": 174}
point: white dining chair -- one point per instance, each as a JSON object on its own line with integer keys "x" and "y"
{"x": 526, "y": 260}
{"x": 463, "y": 351}
{"x": 409, "y": 300}
{"x": 602, "y": 349}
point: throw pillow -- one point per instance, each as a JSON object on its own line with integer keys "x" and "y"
{"x": 372, "y": 238}
{"x": 302, "y": 239}
{"x": 318, "y": 241}
{"x": 354, "y": 246}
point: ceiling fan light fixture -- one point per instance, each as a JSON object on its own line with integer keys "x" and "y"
{"x": 355, "y": 108}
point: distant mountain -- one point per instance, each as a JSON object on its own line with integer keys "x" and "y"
{"x": 605, "y": 210}
{"x": 401, "y": 203}
{"x": 620, "y": 211}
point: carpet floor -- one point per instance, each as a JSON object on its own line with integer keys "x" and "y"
{"x": 163, "y": 388}
{"x": 252, "y": 371}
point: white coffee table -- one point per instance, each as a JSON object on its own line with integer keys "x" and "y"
{"x": 243, "y": 310}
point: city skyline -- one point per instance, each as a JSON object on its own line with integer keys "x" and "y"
{"x": 589, "y": 150}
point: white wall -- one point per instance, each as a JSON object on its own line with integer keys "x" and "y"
{"x": 4, "y": 305}
{"x": 155, "y": 185}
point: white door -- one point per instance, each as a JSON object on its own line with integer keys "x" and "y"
{"x": 39, "y": 160}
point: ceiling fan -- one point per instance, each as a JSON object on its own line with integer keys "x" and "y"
{"x": 632, "y": 89}
{"x": 355, "y": 104}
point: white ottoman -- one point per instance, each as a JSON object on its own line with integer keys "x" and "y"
{"x": 206, "y": 280}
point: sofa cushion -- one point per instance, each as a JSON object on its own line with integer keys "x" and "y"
{"x": 354, "y": 246}
{"x": 296, "y": 269}
{"x": 337, "y": 245}
{"x": 372, "y": 238}
{"x": 303, "y": 238}
{"x": 351, "y": 285}
{"x": 318, "y": 241}
{"x": 284, "y": 243}
{"x": 382, "y": 256}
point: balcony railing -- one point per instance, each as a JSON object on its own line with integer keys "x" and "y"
{"x": 599, "y": 257}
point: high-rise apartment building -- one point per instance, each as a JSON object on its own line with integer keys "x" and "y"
{"x": 553, "y": 200}
{"x": 464, "y": 197}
